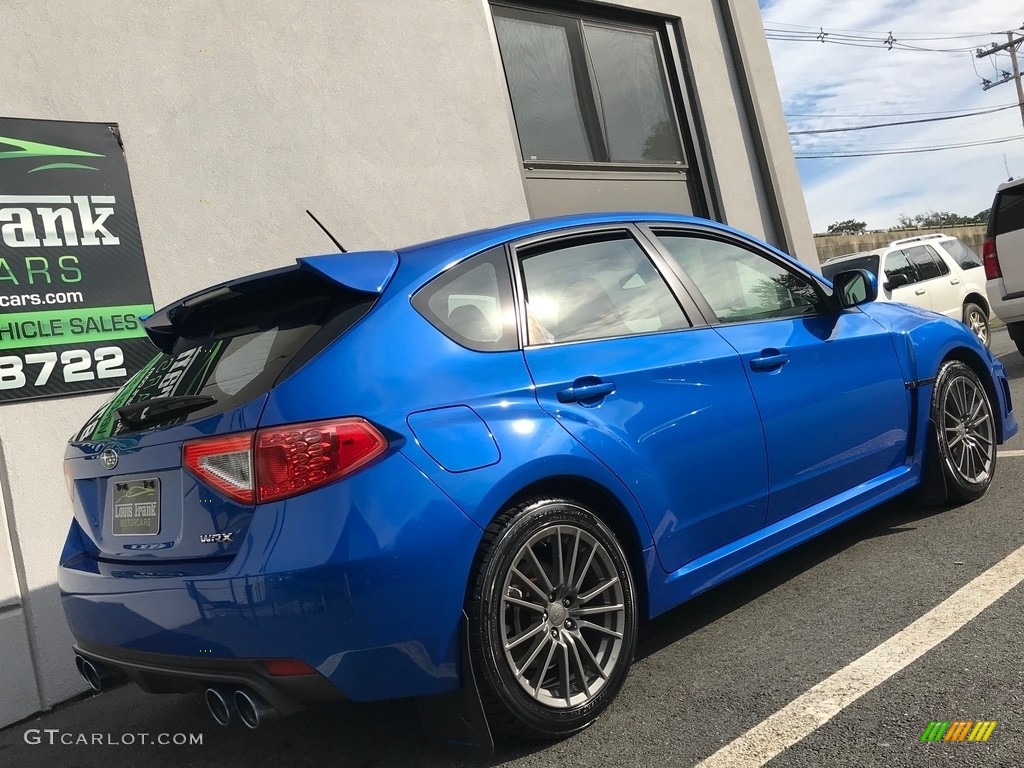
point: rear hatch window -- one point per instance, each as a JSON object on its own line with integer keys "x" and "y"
{"x": 225, "y": 347}
{"x": 868, "y": 262}
{"x": 1008, "y": 212}
{"x": 220, "y": 353}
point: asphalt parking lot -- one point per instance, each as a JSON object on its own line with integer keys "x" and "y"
{"x": 705, "y": 674}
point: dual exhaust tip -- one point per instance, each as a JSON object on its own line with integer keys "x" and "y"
{"x": 226, "y": 704}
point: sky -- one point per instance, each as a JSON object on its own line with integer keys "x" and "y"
{"x": 831, "y": 85}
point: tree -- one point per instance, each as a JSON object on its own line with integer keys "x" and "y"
{"x": 848, "y": 227}
{"x": 939, "y": 219}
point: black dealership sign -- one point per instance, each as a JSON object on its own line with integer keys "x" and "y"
{"x": 73, "y": 279}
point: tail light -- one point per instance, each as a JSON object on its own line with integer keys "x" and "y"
{"x": 990, "y": 259}
{"x": 223, "y": 462}
{"x": 278, "y": 462}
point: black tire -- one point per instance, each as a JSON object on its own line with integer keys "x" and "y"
{"x": 976, "y": 318}
{"x": 1016, "y": 331}
{"x": 573, "y": 689}
{"x": 963, "y": 433}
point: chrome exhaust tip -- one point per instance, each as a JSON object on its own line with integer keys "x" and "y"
{"x": 90, "y": 673}
{"x": 221, "y": 705}
{"x": 253, "y": 711}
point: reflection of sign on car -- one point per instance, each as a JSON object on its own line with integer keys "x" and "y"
{"x": 73, "y": 279}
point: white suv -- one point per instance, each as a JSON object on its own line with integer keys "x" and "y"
{"x": 1004, "y": 258}
{"x": 936, "y": 272}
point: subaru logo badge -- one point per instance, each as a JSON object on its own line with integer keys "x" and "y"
{"x": 109, "y": 458}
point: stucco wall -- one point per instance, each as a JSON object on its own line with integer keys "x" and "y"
{"x": 389, "y": 119}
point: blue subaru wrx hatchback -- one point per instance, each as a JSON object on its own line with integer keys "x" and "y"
{"x": 485, "y": 460}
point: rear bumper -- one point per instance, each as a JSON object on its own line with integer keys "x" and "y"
{"x": 164, "y": 673}
{"x": 1008, "y": 308}
{"x": 363, "y": 580}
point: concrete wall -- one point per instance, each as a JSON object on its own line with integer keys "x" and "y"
{"x": 389, "y": 119}
{"x": 840, "y": 245}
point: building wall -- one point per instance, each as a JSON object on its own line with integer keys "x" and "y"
{"x": 389, "y": 119}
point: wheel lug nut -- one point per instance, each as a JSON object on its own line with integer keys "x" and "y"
{"x": 566, "y": 602}
{"x": 554, "y": 633}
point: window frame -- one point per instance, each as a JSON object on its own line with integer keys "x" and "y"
{"x": 573, "y": 20}
{"x": 651, "y": 229}
{"x": 522, "y": 248}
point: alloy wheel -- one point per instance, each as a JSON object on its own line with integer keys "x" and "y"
{"x": 968, "y": 430}
{"x": 562, "y": 616}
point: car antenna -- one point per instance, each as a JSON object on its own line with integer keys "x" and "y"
{"x": 326, "y": 231}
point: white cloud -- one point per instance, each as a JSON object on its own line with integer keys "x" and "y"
{"x": 832, "y": 80}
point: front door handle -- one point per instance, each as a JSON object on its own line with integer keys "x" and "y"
{"x": 919, "y": 292}
{"x": 770, "y": 360}
{"x": 586, "y": 391}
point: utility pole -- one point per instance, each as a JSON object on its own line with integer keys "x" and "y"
{"x": 1012, "y": 44}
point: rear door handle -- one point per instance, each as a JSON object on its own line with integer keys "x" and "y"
{"x": 954, "y": 281}
{"x": 585, "y": 391}
{"x": 769, "y": 362}
{"x": 919, "y": 291}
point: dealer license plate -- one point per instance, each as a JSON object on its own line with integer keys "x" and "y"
{"x": 136, "y": 507}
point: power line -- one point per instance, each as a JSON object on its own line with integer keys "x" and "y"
{"x": 881, "y": 114}
{"x": 901, "y": 122}
{"x": 919, "y": 35}
{"x": 909, "y": 151}
{"x": 890, "y": 42}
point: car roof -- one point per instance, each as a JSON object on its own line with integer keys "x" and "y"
{"x": 424, "y": 260}
{"x": 1010, "y": 183}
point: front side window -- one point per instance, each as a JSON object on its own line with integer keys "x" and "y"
{"x": 471, "y": 303}
{"x": 896, "y": 263}
{"x": 742, "y": 285}
{"x": 587, "y": 91}
{"x": 600, "y": 286}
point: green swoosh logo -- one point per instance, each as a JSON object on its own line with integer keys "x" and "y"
{"x": 27, "y": 149}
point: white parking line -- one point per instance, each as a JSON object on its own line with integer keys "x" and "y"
{"x": 1011, "y": 454}
{"x": 817, "y": 706}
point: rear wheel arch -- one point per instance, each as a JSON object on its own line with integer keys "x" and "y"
{"x": 603, "y": 503}
{"x": 981, "y": 301}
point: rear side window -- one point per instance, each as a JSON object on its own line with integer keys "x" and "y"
{"x": 230, "y": 348}
{"x": 962, "y": 255}
{"x": 472, "y": 303}
{"x": 595, "y": 287}
{"x": 928, "y": 263}
{"x": 1008, "y": 211}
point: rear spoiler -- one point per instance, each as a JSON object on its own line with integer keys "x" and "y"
{"x": 360, "y": 271}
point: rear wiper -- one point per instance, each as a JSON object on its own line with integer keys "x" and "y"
{"x": 160, "y": 408}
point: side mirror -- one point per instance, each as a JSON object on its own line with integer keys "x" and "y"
{"x": 854, "y": 287}
{"x": 896, "y": 281}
